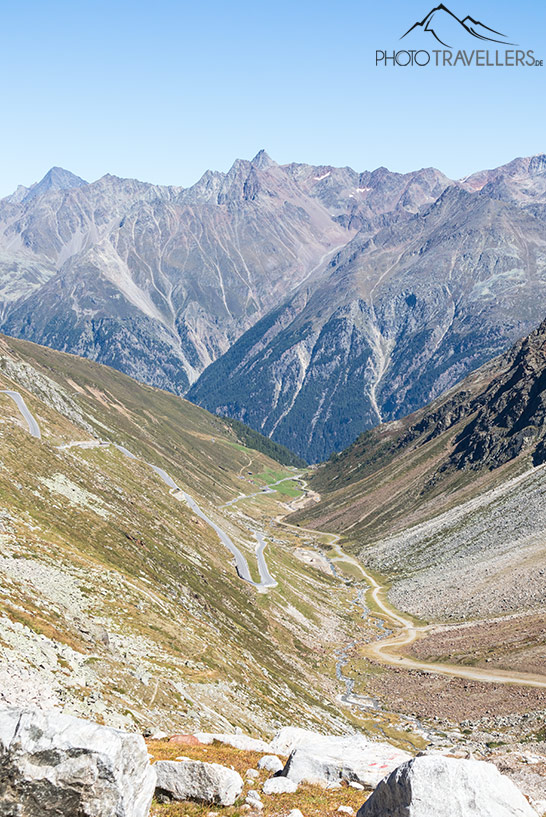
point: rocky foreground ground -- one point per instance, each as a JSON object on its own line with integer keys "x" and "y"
{"x": 54, "y": 764}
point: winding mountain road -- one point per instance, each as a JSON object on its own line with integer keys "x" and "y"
{"x": 33, "y": 427}
{"x": 241, "y": 564}
{"x": 267, "y": 489}
{"x": 386, "y": 651}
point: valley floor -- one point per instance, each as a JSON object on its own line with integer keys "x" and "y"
{"x": 369, "y": 665}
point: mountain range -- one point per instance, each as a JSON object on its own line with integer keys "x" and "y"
{"x": 310, "y": 302}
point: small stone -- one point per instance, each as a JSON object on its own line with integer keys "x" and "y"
{"x": 295, "y": 813}
{"x": 354, "y": 785}
{"x": 279, "y": 785}
{"x": 257, "y": 805}
{"x": 271, "y": 763}
{"x": 252, "y": 773}
{"x": 345, "y": 810}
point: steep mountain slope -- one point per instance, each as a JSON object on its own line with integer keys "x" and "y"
{"x": 118, "y": 598}
{"x": 446, "y": 502}
{"x": 158, "y": 282}
{"x": 395, "y": 319}
{"x": 325, "y": 299}
{"x": 444, "y": 510}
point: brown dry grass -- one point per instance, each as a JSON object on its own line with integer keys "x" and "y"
{"x": 515, "y": 642}
{"x": 313, "y": 801}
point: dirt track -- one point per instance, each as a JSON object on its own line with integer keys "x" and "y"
{"x": 388, "y": 650}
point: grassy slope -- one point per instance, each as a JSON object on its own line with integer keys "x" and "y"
{"x": 389, "y": 477}
{"x": 144, "y": 616}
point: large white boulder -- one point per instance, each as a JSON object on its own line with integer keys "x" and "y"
{"x": 435, "y": 786}
{"x": 52, "y": 764}
{"x": 287, "y": 738}
{"x": 199, "y": 781}
{"x": 238, "y": 741}
{"x": 325, "y": 759}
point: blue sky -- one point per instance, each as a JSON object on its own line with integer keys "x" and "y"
{"x": 162, "y": 91}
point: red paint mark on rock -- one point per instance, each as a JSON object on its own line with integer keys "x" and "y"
{"x": 185, "y": 740}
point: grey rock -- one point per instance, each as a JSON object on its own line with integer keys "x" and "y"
{"x": 279, "y": 785}
{"x": 253, "y": 799}
{"x": 288, "y": 737}
{"x": 52, "y": 764}
{"x": 199, "y": 781}
{"x": 435, "y": 786}
{"x": 271, "y": 763}
{"x": 323, "y": 759}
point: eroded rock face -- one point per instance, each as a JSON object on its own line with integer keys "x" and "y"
{"x": 400, "y": 314}
{"x": 54, "y": 764}
{"x": 325, "y": 759}
{"x": 433, "y": 786}
{"x": 199, "y": 781}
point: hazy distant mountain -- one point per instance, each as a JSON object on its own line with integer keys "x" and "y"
{"x": 397, "y": 317}
{"x": 324, "y": 298}
{"x": 54, "y": 179}
{"x": 160, "y": 281}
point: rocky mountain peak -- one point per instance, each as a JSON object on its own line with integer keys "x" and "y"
{"x": 57, "y": 178}
{"x": 262, "y": 160}
{"x": 537, "y": 164}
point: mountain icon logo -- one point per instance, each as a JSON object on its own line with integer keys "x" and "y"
{"x": 444, "y": 26}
